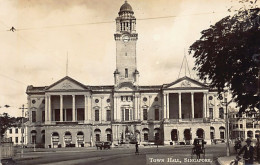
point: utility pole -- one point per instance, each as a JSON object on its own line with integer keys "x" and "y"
{"x": 22, "y": 129}
{"x": 226, "y": 103}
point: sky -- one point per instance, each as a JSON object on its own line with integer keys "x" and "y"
{"x": 49, "y": 30}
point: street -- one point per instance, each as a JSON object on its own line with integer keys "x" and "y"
{"x": 124, "y": 156}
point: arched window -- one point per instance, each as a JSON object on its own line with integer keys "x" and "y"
{"x": 33, "y": 136}
{"x": 97, "y": 133}
{"x": 109, "y": 134}
{"x": 200, "y": 133}
{"x": 146, "y": 134}
{"x": 222, "y": 132}
{"x": 174, "y": 135}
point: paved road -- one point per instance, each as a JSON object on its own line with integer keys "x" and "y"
{"x": 122, "y": 156}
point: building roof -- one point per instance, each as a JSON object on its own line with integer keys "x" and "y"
{"x": 126, "y": 8}
{"x": 185, "y": 78}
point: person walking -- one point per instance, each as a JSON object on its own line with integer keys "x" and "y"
{"x": 258, "y": 149}
{"x": 136, "y": 148}
{"x": 248, "y": 152}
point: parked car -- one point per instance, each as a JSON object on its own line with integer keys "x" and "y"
{"x": 103, "y": 145}
{"x": 106, "y": 145}
{"x": 99, "y": 145}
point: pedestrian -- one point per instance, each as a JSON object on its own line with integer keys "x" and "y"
{"x": 136, "y": 148}
{"x": 248, "y": 152}
{"x": 258, "y": 149}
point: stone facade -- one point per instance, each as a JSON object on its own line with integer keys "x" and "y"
{"x": 243, "y": 126}
{"x": 68, "y": 113}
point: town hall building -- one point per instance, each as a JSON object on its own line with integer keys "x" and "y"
{"x": 69, "y": 113}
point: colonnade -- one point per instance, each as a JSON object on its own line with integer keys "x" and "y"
{"x": 48, "y": 107}
{"x": 166, "y": 107}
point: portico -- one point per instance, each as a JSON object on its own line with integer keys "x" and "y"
{"x": 67, "y": 107}
{"x": 185, "y": 104}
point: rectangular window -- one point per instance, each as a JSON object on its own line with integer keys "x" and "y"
{"x": 57, "y": 114}
{"x": 43, "y": 116}
{"x": 144, "y": 114}
{"x": 126, "y": 114}
{"x": 16, "y": 139}
{"x": 241, "y": 125}
{"x": 11, "y": 139}
{"x": 108, "y": 115}
{"x": 96, "y": 115}
{"x": 211, "y": 113}
{"x": 68, "y": 114}
{"x": 22, "y": 139}
{"x": 122, "y": 115}
{"x": 156, "y": 114}
{"x": 16, "y": 130}
{"x": 10, "y": 131}
{"x": 126, "y": 73}
{"x": 33, "y": 116}
{"x": 22, "y": 130}
{"x": 221, "y": 113}
{"x": 80, "y": 114}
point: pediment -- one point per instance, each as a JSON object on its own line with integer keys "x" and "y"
{"x": 66, "y": 83}
{"x": 185, "y": 82}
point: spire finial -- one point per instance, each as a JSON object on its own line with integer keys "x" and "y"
{"x": 186, "y": 66}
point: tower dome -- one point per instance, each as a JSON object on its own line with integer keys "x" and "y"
{"x": 126, "y": 8}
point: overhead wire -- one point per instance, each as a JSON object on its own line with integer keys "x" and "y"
{"x": 106, "y": 22}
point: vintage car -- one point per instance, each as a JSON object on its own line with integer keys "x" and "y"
{"x": 103, "y": 145}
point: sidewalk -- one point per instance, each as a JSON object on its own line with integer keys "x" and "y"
{"x": 227, "y": 159}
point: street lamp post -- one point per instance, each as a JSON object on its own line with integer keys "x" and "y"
{"x": 226, "y": 103}
{"x": 22, "y": 129}
{"x": 227, "y": 127}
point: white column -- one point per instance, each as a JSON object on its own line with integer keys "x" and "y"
{"x": 180, "y": 106}
{"x": 168, "y": 106}
{"x": 89, "y": 109}
{"x": 46, "y": 110}
{"x": 118, "y": 109}
{"x": 124, "y": 114}
{"x": 192, "y": 105}
{"x": 101, "y": 110}
{"x": 138, "y": 108}
{"x": 73, "y": 108}
{"x": 49, "y": 109}
{"x": 61, "y": 108}
{"x": 204, "y": 106}
{"x": 86, "y": 109}
{"x": 164, "y": 106}
{"x": 115, "y": 108}
{"x": 216, "y": 115}
{"x": 135, "y": 109}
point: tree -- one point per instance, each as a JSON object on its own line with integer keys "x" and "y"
{"x": 224, "y": 56}
{"x": 6, "y": 122}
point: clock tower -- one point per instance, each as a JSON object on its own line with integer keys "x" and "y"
{"x": 126, "y": 37}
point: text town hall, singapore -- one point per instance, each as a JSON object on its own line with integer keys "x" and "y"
{"x": 69, "y": 113}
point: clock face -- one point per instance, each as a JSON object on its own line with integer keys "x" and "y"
{"x": 126, "y": 38}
